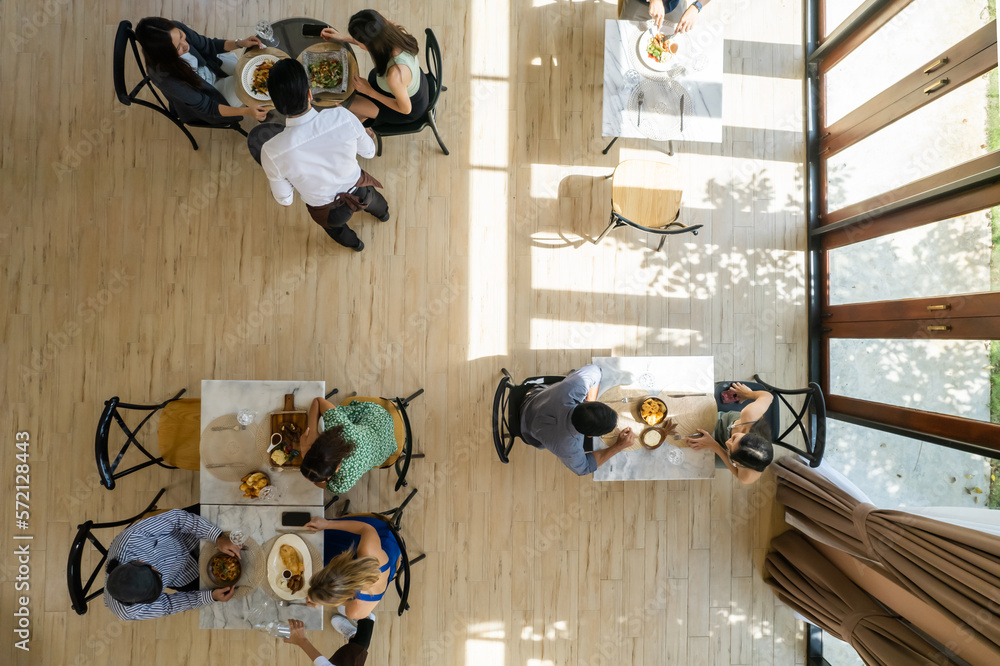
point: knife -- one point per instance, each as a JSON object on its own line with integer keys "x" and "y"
{"x": 682, "y": 113}
{"x": 638, "y": 120}
{"x": 214, "y": 465}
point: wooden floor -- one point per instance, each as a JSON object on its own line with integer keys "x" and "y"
{"x": 134, "y": 266}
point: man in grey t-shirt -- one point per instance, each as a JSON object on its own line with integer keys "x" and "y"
{"x": 561, "y": 416}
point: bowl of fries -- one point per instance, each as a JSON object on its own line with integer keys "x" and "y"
{"x": 652, "y": 411}
{"x": 253, "y": 483}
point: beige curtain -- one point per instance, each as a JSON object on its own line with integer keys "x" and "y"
{"x": 951, "y": 568}
{"x": 810, "y": 584}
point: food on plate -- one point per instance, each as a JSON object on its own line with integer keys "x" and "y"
{"x": 295, "y": 583}
{"x": 252, "y": 483}
{"x": 225, "y": 568}
{"x": 652, "y": 437}
{"x": 652, "y": 410}
{"x": 326, "y": 73}
{"x": 259, "y": 83}
{"x": 280, "y": 457}
{"x": 291, "y": 559}
{"x": 660, "y": 48}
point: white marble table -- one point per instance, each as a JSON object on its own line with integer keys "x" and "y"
{"x": 696, "y": 71}
{"x": 260, "y": 524}
{"x": 225, "y": 397}
{"x": 683, "y": 374}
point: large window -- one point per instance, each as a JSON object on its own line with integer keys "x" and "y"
{"x": 904, "y": 214}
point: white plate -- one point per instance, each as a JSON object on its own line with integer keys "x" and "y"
{"x": 248, "y": 71}
{"x": 643, "y": 42}
{"x": 275, "y": 567}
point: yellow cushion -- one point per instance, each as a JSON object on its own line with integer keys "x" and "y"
{"x": 180, "y": 434}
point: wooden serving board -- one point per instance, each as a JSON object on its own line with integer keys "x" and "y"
{"x": 287, "y": 415}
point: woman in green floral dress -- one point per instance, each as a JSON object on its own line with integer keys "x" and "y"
{"x": 341, "y": 443}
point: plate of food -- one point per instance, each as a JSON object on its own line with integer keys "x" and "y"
{"x": 326, "y": 70}
{"x": 656, "y": 50}
{"x": 255, "y": 74}
{"x": 289, "y": 567}
{"x": 253, "y": 483}
{"x": 224, "y": 570}
{"x": 652, "y": 411}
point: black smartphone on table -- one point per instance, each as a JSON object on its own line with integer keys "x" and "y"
{"x": 295, "y": 518}
{"x": 312, "y": 29}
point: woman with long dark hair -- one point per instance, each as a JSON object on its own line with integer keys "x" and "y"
{"x": 343, "y": 443}
{"x": 396, "y": 90}
{"x": 194, "y": 72}
{"x": 747, "y": 449}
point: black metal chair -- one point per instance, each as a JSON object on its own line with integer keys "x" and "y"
{"x": 393, "y": 518}
{"x": 429, "y": 119}
{"x": 80, "y": 593}
{"x": 813, "y": 408}
{"x": 125, "y": 38}
{"x": 396, "y": 407}
{"x": 175, "y": 449}
{"x": 507, "y": 409}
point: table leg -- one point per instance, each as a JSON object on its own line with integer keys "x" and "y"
{"x": 605, "y": 151}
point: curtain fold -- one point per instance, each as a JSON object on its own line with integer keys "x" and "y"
{"x": 814, "y": 587}
{"x": 950, "y": 567}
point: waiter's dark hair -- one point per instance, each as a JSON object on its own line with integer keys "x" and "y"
{"x": 593, "y": 419}
{"x": 288, "y": 86}
{"x": 331, "y": 448}
{"x": 153, "y": 35}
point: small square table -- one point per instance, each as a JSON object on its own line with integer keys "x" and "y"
{"x": 235, "y": 453}
{"x": 695, "y": 74}
{"x": 259, "y": 523}
{"x": 654, "y": 374}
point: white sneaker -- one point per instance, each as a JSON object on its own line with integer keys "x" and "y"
{"x": 344, "y": 625}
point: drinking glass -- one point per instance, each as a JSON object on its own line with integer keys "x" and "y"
{"x": 675, "y": 456}
{"x": 245, "y": 417}
{"x": 265, "y": 32}
{"x": 268, "y": 493}
{"x": 238, "y": 537}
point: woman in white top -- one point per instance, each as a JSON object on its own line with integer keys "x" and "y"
{"x": 396, "y": 90}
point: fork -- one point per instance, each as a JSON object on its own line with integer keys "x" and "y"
{"x": 638, "y": 120}
{"x": 235, "y": 427}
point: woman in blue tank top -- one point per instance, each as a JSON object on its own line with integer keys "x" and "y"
{"x": 362, "y": 556}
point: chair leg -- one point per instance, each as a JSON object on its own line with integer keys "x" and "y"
{"x": 330, "y": 503}
{"x": 343, "y": 510}
{"x": 378, "y": 145}
{"x": 194, "y": 144}
{"x": 663, "y": 239}
{"x": 607, "y": 230}
{"x": 406, "y": 401}
{"x": 608, "y": 147}
{"x": 437, "y": 135}
{"x": 333, "y": 392}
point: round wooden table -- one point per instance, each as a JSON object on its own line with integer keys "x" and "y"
{"x": 291, "y": 43}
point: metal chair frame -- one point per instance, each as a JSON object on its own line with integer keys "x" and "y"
{"x": 79, "y": 593}
{"x": 507, "y": 409}
{"x": 105, "y": 467}
{"x": 124, "y": 38}
{"x": 429, "y": 119}
{"x": 393, "y": 518}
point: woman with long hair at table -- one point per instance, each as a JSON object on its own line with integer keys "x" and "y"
{"x": 397, "y": 90}
{"x": 745, "y": 436}
{"x": 194, "y": 72}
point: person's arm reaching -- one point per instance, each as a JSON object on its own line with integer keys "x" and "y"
{"x": 704, "y": 440}
{"x": 689, "y": 16}
{"x": 756, "y": 409}
{"x": 365, "y": 136}
{"x": 298, "y": 637}
{"x": 281, "y": 189}
{"x": 625, "y": 439}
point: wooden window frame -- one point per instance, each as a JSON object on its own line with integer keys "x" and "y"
{"x": 959, "y": 190}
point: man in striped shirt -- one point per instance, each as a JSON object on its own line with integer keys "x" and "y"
{"x": 158, "y": 553}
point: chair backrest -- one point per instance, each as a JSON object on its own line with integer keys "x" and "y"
{"x": 507, "y": 403}
{"x": 433, "y": 56}
{"x": 124, "y": 38}
{"x": 105, "y": 467}
{"x": 813, "y": 409}
{"x": 80, "y": 593}
{"x": 402, "y": 578}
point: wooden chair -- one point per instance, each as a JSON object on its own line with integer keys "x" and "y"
{"x": 80, "y": 593}
{"x": 647, "y": 196}
{"x": 125, "y": 38}
{"x": 429, "y": 119}
{"x": 813, "y": 409}
{"x": 393, "y": 519}
{"x": 179, "y": 437}
{"x": 507, "y": 403}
